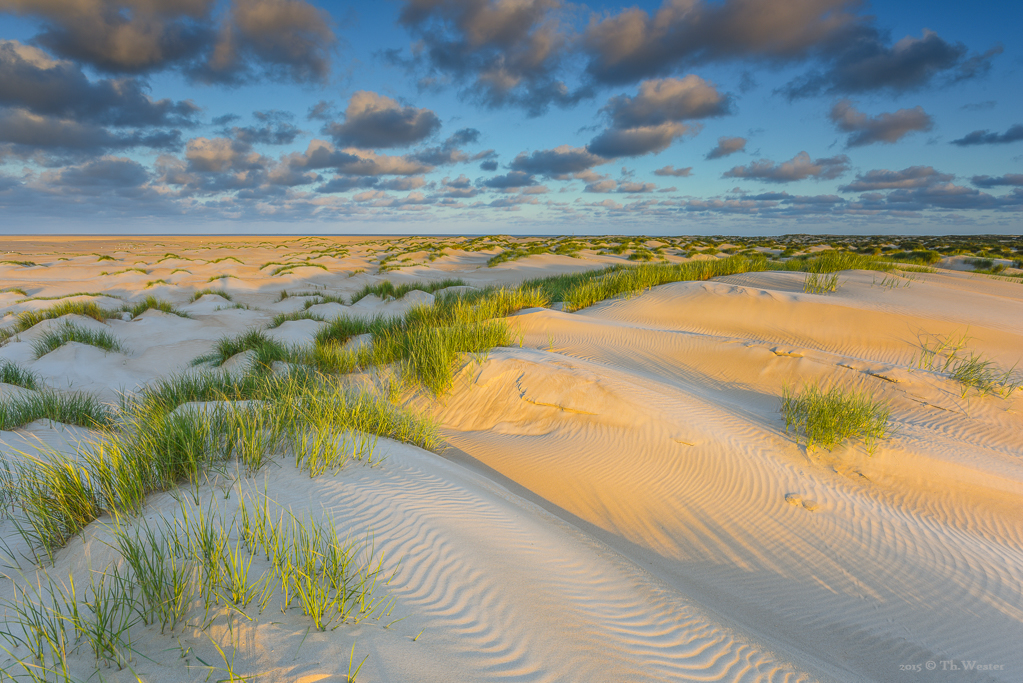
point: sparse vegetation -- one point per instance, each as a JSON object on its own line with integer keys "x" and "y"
{"x": 387, "y": 289}
{"x": 817, "y": 283}
{"x": 151, "y": 302}
{"x": 282, "y": 318}
{"x": 950, "y": 355}
{"x": 71, "y": 332}
{"x": 832, "y": 417}
{"x": 12, "y": 373}
{"x": 266, "y": 350}
{"x": 29, "y": 319}
{"x": 74, "y": 408}
{"x": 216, "y": 292}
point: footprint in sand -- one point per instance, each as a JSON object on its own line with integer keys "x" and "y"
{"x": 796, "y": 499}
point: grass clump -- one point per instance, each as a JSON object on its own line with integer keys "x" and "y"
{"x": 267, "y": 350}
{"x": 832, "y": 261}
{"x": 217, "y": 292}
{"x": 28, "y": 319}
{"x": 12, "y": 373}
{"x": 70, "y": 332}
{"x": 829, "y": 418}
{"x": 151, "y": 302}
{"x": 156, "y": 444}
{"x": 820, "y": 283}
{"x": 74, "y": 408}
{"x": 57, "y": 500}
{"x": 387, "y": 289}
{"x": 585, "y": 289}
{"x": 950, "y": 355}
{"x": 282, "y": 318}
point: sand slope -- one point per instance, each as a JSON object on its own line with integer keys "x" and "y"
{"x": 653, "y": 423}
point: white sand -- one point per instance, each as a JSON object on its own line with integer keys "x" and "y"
{"x": 620, "y": 501}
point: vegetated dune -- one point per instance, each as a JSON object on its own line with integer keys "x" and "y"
{"x": 618, "y": 499}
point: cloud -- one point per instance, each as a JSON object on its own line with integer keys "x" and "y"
{"x": 675, "y": 172}
{"x": 980, "y": 106}
{"x": 488, "y": 165}
{"x": 864, "y": 62}
{"x": 403, "y": 184}
{"x": 29, "y": 133}
{"x": 346, "y": 183}
{"x": 448, "y": 152}
{"x": 277, "y": 129}
{"x": 559, "y": 161}
{"x": 290, "y": 40}
{"x": 949, "y": 196}
{"x": 727, "y": 146}
{"x": 886, "y": 127}
{"x": 1009, "y": 179}
{"x": 631, "y": 142}
{"x": 254, "y": 39}
{"x": 668, "y": 99}
{"x": 652, "y": 120}
{"x": 374, "y": 121}
{"x": 799, "y": 167}
{"x": 629, "y": 187}
{"x": 461, "y": 188}
{"x": 218, "y": 155}
{"x": 983, "y": 137}
{"x": 601, "y": 186}
{"x": 357, "y": 162}
{"x": 30, "y": 79}
{"x": 907, "y": 178}
{"x": 632, "y": 44}
{"x": 510, "y": 180}
{"x": 503, "y": 52}
{"x": 107, "y": 173}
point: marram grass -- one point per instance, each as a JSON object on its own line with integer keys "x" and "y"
{"x": 826, "y": 418}
{"x": 72, "y": 332}
{"x": 950, "y": 355}
{"x": 74, "y": 408}
{"x": 156, "y": 443}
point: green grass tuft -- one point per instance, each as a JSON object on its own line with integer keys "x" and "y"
{"x": 267, "y": 350}
{"x": 830, "y": 418}
{"x": 218, "y": 292}
{"x": 950, "y": 355}
{"x": 282, "y": 318}
{"x": 28, "y": 319}
{"x": 151, "y": 302}
{"x": 819, "y": 283}
{"x": 12, "y": 373}
{"x": 74, "y": 408}
{"x": 70, "y": 332}
{"x": 387, "y": 289}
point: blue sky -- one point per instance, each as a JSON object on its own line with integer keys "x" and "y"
{"x": 512, "y": 116}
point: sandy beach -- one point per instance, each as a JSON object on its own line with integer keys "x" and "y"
{"x": 613, "y": 495}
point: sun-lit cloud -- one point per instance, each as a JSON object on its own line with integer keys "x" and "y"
{"x": 276, "y": 39}
{"x": 888, "y": 127}
{"x": 800, "y": 167}
{"x": 882, "y": 179}
{"x": 727, "y": 146}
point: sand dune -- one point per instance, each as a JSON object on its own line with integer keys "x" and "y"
{"x": 618, "y": 499}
